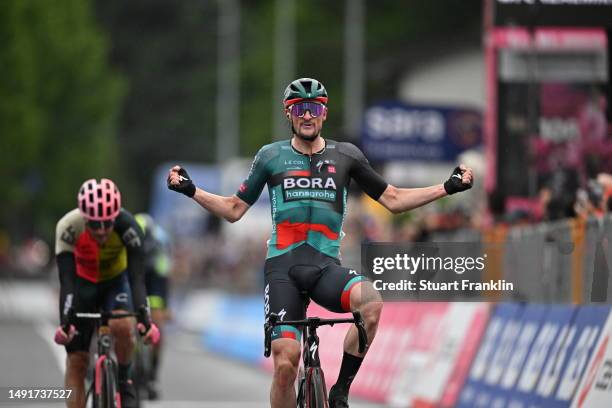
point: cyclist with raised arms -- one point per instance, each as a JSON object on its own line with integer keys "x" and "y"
{"x": 99, "y": 253}
{"x": 308, "y": 178}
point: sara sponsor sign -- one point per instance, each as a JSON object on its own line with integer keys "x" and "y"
{"x": 397, "y": 131}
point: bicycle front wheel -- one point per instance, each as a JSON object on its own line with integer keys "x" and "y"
{"x": 301, "y": 383}
{"x": 315, "y": 392}
{"x": 107, "y": 395}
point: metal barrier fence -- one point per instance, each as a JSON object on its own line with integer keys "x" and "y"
{"x": 565, "y": 261}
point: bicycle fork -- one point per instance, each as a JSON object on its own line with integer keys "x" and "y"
{"x": 312, "y": 390}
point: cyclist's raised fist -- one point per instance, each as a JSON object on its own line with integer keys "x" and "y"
{"x": 179, "y": 180}
{"x": 460, "y": 180}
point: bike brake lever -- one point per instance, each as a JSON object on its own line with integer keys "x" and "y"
{"x": 268, "y": 328}
{"x": 267, "y": 344}
{"x": 361, "y": 331}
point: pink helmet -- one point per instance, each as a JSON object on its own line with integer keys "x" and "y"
{"x": 99, "y": 201}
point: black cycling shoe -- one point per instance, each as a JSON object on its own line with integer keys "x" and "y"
{"x": 338, "y": 398}
{"x": 128, "y": 394}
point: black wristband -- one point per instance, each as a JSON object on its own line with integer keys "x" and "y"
{"x": 455, "y": 183}
{"x": 189, "y": 190}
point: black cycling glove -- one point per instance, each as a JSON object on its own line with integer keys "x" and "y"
{"x": 185, "y": 184}
{"x": 144, "y": 317}
{"x": 455, "y": 184}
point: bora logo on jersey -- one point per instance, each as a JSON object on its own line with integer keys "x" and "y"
{"x": 309, "y": 188}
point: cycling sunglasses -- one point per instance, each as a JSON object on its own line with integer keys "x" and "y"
{"x": 96, "y": 225}
{"x": 298, "y": 110}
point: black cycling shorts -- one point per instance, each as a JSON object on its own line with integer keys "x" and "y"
{"x": 293, "y": 278}
{"x": 114, "y": 294}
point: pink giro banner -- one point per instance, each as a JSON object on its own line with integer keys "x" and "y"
{"x": 403, "y": 345}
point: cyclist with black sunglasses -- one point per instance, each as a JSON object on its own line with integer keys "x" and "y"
{"x": 99, "y": 253}
{"x": 308, "y": 178}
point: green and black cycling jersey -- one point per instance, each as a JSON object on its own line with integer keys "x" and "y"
{"x": 308, "y": 193}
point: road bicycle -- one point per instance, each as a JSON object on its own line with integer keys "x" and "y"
{"x": 104, "y": 387}
{"x": 312, "y": 391}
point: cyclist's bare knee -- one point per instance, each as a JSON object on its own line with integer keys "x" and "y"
{"x": 77, "y": 362}
{"x": 370, "y": 313}
{"x": 122, "y": 328}
{"x": 286, "y": 354}
{"x": 368, "y": 301}
{"x": 363, "y": 294}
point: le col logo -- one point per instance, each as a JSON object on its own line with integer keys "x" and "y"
{"x": 306, "y": 182}
{"x": 294, "y": 162}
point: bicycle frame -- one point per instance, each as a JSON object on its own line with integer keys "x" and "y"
{"x": 104, "y": 360}
{"x": 312, "y": 372}
{"x": 310, "y": 355}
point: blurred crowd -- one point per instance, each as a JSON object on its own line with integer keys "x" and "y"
{"x": 29, "y": 258}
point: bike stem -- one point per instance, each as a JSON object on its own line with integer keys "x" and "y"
{"x": 311, "y": 345}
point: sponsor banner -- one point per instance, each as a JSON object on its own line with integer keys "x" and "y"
{"x": 542, "y": 356}
{"x": 475, "y": 387}
{"x": 595, "y": 389}
{"x": 397, "y": 131}
{"x": 443, "y": 377}
{"x": 531, "y": 322}
{"x": 464, "y": 359}
{"x": 419, "y": 344}
{"x": 560, "y": 378}
{"x": 236, "y": 328}
{"x": 488, "y": 395}
{"x": 404, "y": 351}
{"x": 399, "y": 354}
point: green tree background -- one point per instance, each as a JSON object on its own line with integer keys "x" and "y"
{"x": 58, "y": 111}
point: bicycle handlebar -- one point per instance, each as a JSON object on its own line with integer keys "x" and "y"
{"x": 105, "y": 315}
{"x": 314, "y": 322}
